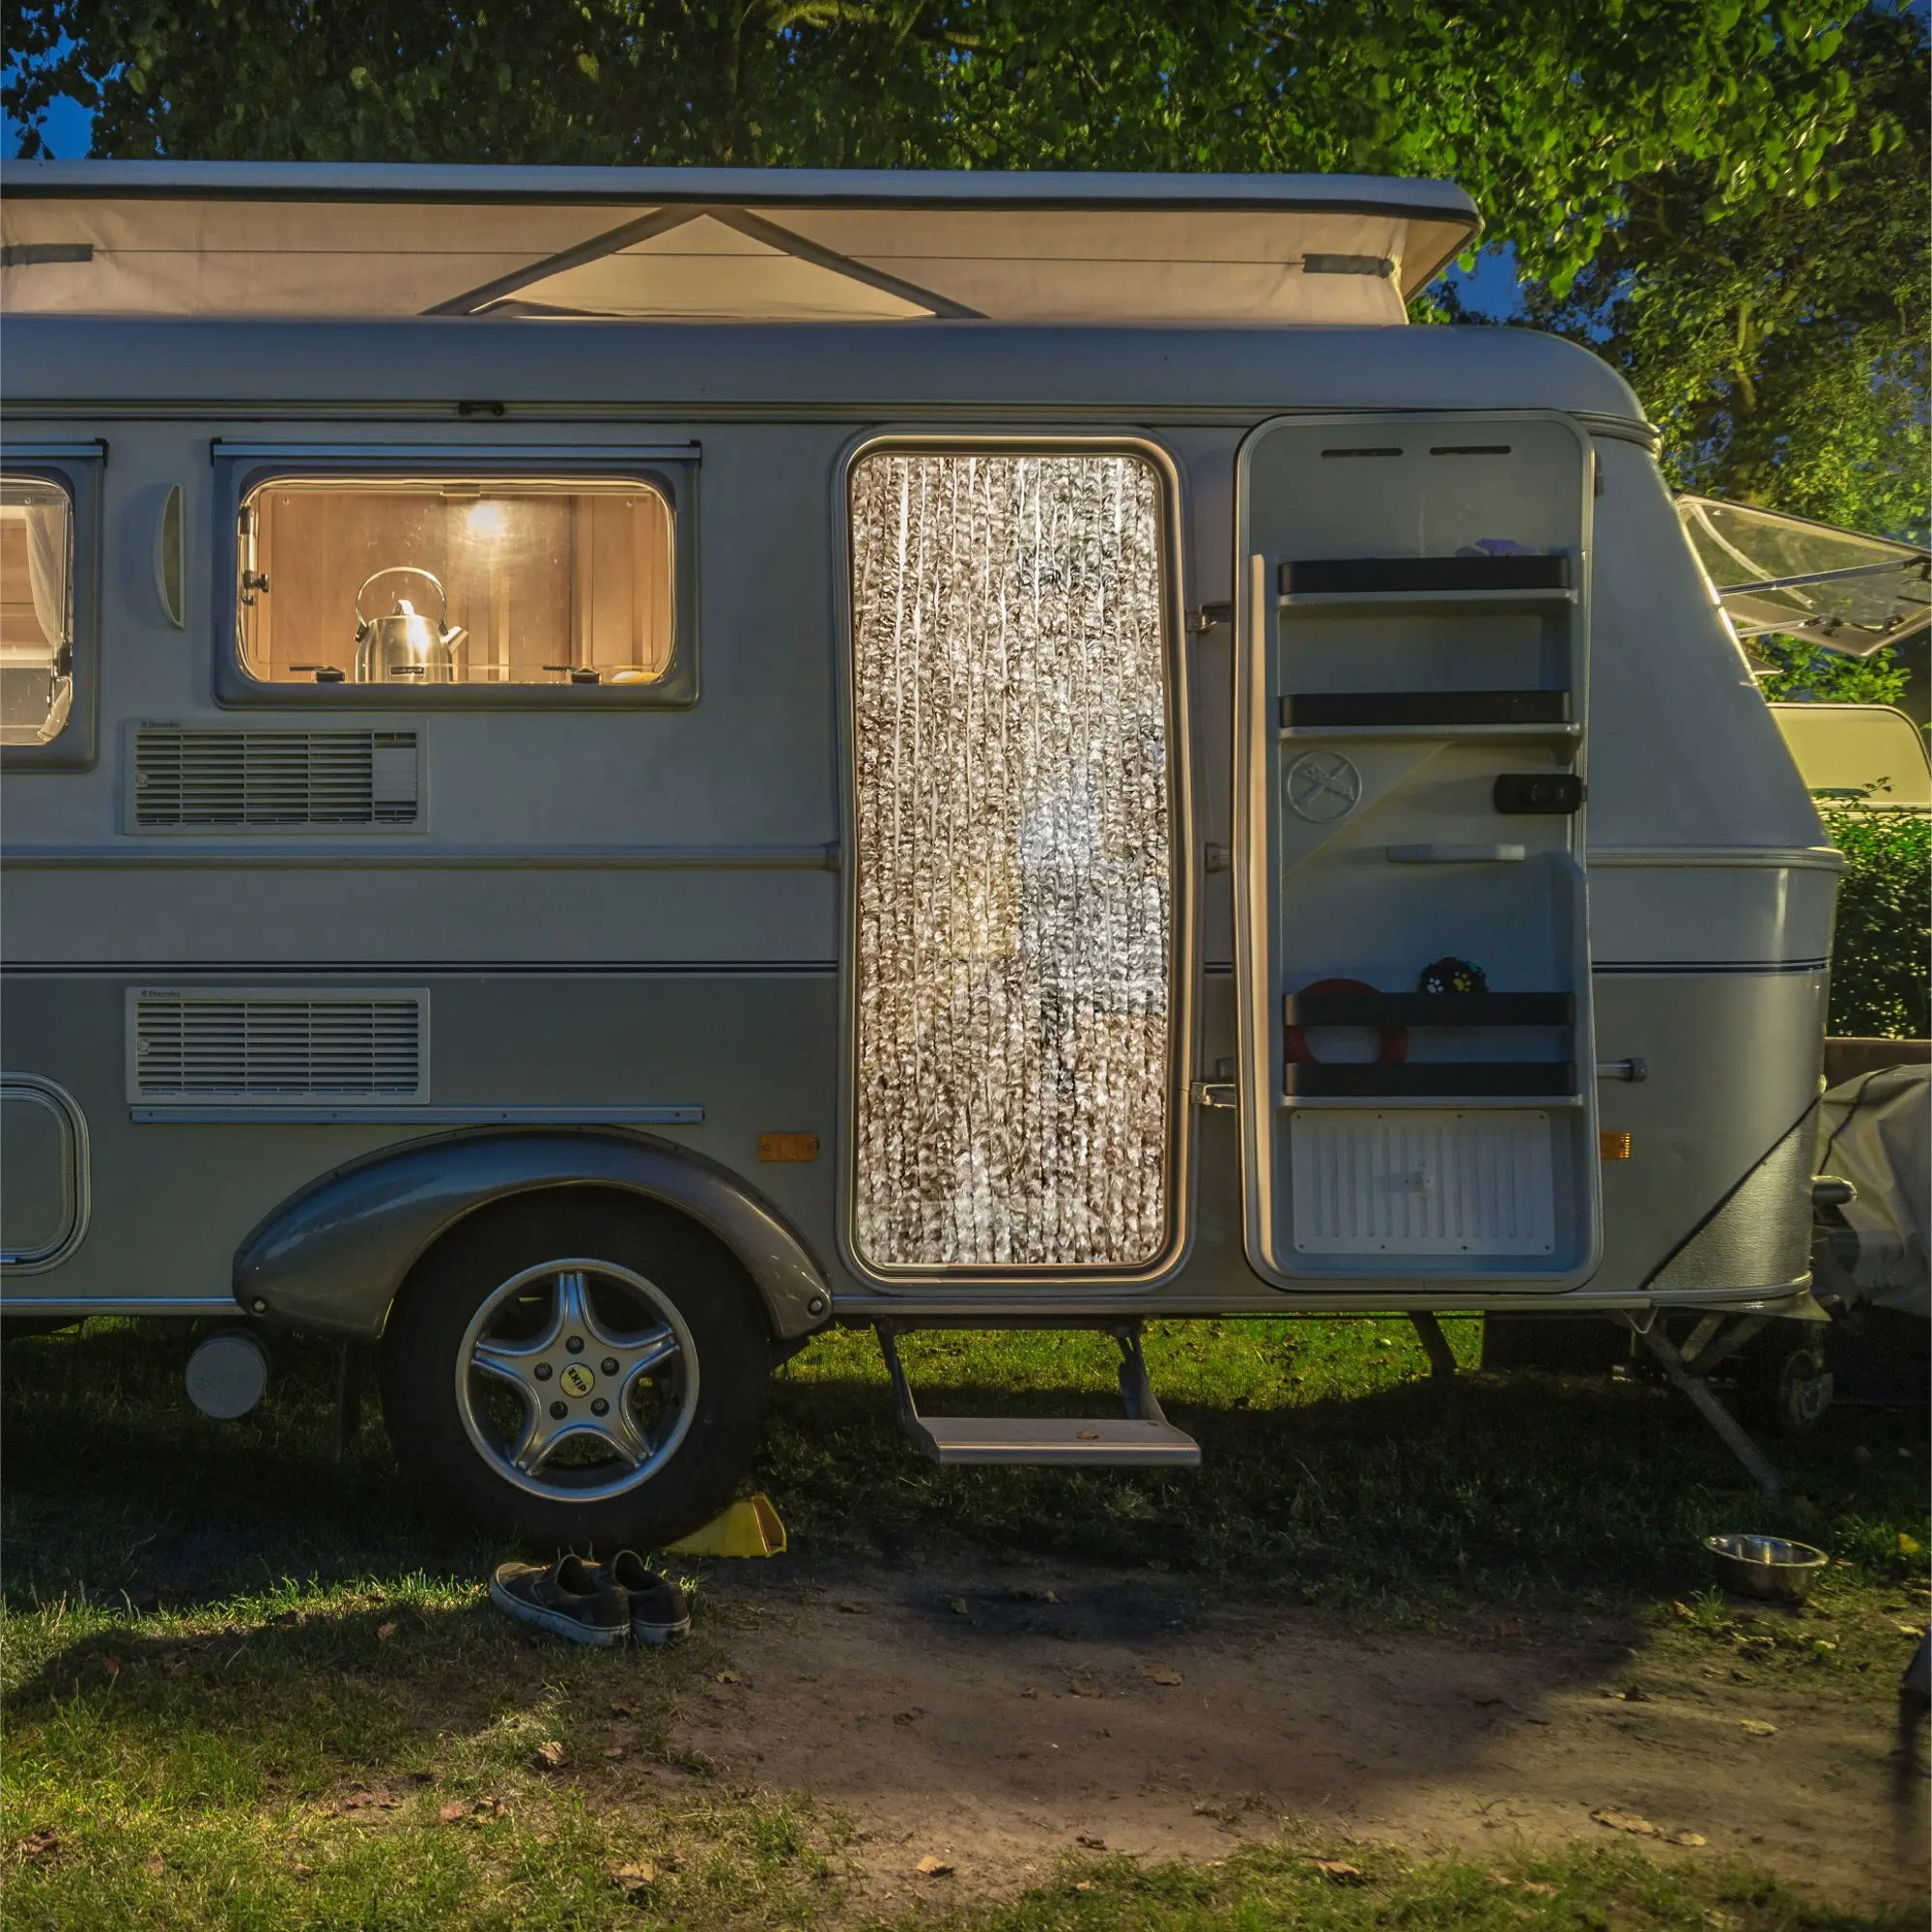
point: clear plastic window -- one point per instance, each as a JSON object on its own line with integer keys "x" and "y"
{"x": 36, "y": 610}
{"x": 409, "y": 582}
{"x": 1016, "y": 869}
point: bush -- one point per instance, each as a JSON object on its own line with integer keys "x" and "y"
{"x": 1881, "y": 981}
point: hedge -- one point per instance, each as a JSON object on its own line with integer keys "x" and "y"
{"x": 1881, "y": 977}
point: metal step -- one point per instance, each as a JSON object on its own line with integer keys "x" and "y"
{"x": 1055, "y": 1439}
{"x": 1142, "y": 1438}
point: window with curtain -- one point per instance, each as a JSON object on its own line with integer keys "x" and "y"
{"x": 1015, "y": 870}
{"x": 416, "y": 582}
{"x": 36, "y": 610}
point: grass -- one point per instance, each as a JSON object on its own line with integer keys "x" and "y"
{"x": 248, "y": 1687}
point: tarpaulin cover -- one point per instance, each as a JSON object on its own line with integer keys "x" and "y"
{"x": 1876, "y": 1133}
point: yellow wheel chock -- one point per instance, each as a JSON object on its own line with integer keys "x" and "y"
{"x": 747, "y": 1527}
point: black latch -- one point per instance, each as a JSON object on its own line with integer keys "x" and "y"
{"x": 1542, "y": 792}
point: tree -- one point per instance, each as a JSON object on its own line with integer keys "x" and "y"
{"x": 1545, "y": 113}
{"x": 1781, "y": 349}
{"x": 1726, "y": 200}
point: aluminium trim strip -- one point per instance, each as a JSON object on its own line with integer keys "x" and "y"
{"x": 541, "y": 410}
{"x": 688, "y": 1114}
{"x": 259, "y": 855}
{"x": 917, "y": 190}
{"x": 509, "y": 454}
{"x": 1708, "y": 966}
{"x": 119, "y": 1304}
{"x": 93, "y": 450}
{"x": 1796, "y": 858}
{"x": 469, "y": 969}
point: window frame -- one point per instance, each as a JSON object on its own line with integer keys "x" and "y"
{"x": 668, "y": 469}
{"x": 1183, "y": 1046}
{"x": 76, "y": 469}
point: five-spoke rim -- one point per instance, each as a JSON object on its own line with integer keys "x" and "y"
{"x": 602, "y": 1371}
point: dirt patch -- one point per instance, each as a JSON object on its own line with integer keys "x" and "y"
{"x": 996, "y": 1721}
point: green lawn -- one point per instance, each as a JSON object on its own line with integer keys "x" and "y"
{"x": 248, "y": 1687}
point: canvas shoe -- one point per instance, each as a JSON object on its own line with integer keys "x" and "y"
{"x": 660, "y": 1609}
{"x": 570, "y": 1598}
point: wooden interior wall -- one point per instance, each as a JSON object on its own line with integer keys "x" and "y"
{"x": 19, "y": 627}
{"x": 565, "y": 579}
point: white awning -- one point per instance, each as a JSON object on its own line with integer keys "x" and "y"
{"x": 782, "y": 244}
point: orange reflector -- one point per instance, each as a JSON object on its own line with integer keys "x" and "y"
{"x": 1614, "y": 1146}
{"x": 790, "y": 1147}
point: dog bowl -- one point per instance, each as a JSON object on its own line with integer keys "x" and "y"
{"x": 1766, "y": 1566}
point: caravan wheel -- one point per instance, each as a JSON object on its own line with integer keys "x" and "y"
{"x": 590, "y": 1373}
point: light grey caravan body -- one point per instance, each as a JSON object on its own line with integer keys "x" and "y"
{"x": 929, "y": 831}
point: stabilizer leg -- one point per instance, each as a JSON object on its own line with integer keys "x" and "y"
{"x": 1698, "y": 1392}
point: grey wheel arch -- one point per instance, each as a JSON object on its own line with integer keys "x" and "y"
{"x": 331, "y": 1257}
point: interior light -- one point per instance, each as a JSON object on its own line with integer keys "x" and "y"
{"x": 487, "y": 520}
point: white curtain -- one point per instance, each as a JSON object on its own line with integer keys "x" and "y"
{"x": 47, "y": 568}
{"x": 44, "y": 514}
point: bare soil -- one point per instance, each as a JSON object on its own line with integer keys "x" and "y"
{"x": 997, "y": 1719}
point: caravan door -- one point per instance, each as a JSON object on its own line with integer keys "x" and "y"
{"x": 1018, "y": 876}
{"x": 1418, "y": 1069}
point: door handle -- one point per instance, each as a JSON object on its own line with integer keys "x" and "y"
{"x": 1455, "y": 855}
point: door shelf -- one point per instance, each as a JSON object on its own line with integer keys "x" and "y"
{"x": 1420, "y": 603}
{"x": 1429, "y": 1079}
{"x": 1459, "y": 710}
{"x": 1543, "y": 576}
{"x": 1467, "y": 1103}
{"x": 1429, "y": 1009}
{"x": 1447, "y": 734}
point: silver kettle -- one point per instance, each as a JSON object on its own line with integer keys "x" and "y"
{"x": 405, "y": 647}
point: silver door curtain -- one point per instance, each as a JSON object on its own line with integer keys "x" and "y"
{"x": 1015, "y": 905}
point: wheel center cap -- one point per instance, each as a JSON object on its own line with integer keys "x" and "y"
{"x": 577, "y": 1379}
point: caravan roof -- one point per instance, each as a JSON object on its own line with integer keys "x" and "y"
{"x": 168, "y": 238}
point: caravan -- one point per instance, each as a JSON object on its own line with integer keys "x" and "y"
{"x": 605, "y": 768}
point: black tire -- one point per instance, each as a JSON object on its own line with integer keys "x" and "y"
{"x": 1784, "y": 1384}
{"x": 724, "y": 1329}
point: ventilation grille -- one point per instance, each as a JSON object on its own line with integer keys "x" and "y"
{"x": 1416, "y": 1181}
{"x": 263, "y": 779}
{"x": 274, "y": 1046}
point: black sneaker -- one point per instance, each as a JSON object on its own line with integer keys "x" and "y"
{"x": 569, "y": 1598}
{"x": 660, "y": 1610}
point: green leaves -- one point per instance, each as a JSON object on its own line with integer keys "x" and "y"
{"x": 1661, "y": 166}
{"x": 1778, "y": 341}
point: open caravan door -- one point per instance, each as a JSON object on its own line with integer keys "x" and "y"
{"x": 1417, "y": 1084}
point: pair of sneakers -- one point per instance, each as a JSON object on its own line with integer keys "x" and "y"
{"x": 593, "y": 1602}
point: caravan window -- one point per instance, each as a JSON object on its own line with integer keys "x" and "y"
{"x": 411, "y": 582}
{"x": 35, "y": 610}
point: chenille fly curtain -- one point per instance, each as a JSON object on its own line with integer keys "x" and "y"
{"x": 1014, "y": 887}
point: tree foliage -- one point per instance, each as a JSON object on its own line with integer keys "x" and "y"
{"x": 1724, "y": 200}
{"x": 1546, "y": 114}
{"x": 1782, "y": 348}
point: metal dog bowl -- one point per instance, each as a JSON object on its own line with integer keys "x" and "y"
{"x": 1766, "y": 1566}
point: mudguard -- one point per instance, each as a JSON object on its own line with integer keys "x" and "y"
{"x": 330, "y": 1258}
